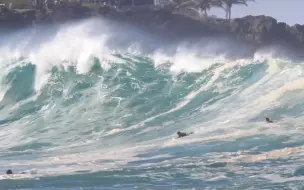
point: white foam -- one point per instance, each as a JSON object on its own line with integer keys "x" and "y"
{"x": 186, "y": 60}
{"x": 76, "y": 45}
{"x": 278, "y": 179}
{"x": 274, "y": 154}
{"x": 277, "y": 93}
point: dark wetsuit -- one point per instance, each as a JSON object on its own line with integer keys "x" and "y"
{"x": 180, "y": 134}
{"x": 268, "y": 120}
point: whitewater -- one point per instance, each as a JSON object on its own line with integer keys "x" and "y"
{"x": 96, "y": 104}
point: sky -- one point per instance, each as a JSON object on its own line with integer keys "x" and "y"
{"x": 289, "y": 11}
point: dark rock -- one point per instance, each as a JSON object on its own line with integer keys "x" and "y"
{"x": 64, "y": 13}
{"x": 258, "y": 31}
{"x": 13, "y": 19}
{"x": 255, "y": 30}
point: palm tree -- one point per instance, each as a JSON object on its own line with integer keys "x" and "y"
{"x": 198, "y": 6}
{"x": 228, "y": 5}
{"x": 206, "y": 5}
{"x": 178, "y": 4}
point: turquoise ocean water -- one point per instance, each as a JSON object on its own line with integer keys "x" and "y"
{"x": 93, "y": 105}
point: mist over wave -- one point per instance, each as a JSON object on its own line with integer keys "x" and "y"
{"x": 96, "y": 96}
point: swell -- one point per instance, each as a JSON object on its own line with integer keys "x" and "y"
{"x": 84, "y": 96}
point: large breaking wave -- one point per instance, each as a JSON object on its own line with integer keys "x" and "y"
{"x": 101, "y": 103}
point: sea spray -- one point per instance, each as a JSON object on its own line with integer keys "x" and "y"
{"x": 97, "y": 105}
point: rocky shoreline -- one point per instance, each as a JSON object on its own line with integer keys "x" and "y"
{"x": 257, "y": 31}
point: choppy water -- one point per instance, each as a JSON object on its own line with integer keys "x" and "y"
{"x": 97, "y": 106}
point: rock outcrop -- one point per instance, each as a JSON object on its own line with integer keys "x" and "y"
{"x": 64, "y": 13}
{"x": 256, "y": 30}
{"x": 10, "y": 19}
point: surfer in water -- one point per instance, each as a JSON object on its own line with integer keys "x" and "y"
{"x": 268, "y": 120}
{"x": 181, "y": 134}
{"x": 10, "y": 172}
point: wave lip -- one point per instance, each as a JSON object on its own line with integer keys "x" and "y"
{"x": 82, "y": 104}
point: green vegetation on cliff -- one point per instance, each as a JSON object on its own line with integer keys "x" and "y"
{"x": 201, "y": 7}
{"x": 17, "y": 4}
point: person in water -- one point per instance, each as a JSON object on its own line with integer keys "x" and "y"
{"x": 9, "y": 172}
{"x": 268, "y": 120}
{"x": 181, "y": 134}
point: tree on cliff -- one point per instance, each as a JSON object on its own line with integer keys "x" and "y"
{"x": 199, "y": 6}
{"x": 176, "y": 4}
{"x": 227, "y": 5}
{"x": 203, "y": 6}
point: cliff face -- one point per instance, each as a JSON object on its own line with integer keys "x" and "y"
{"x": 255, "y": 30}
{"x": 266, "y": 30}
{"x": 12, "y": 19}
{"x": 64, "y": 13}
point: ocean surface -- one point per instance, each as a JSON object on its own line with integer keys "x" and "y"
{"x": 96, "y": 105}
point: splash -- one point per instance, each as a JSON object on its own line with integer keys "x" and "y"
{"x": 96, "y": 97}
